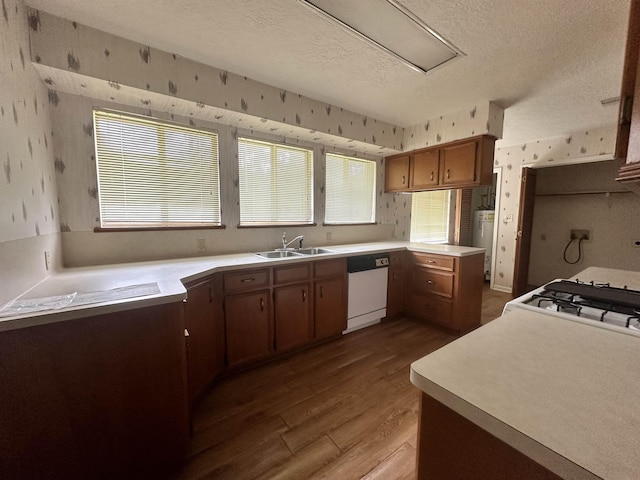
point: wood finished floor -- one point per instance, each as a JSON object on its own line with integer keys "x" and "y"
{"x": 343, "y": 410}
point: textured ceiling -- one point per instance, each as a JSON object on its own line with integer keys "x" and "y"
{"x": 547, "y": 62}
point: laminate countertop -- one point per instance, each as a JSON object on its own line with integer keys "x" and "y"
{"x": 563, "y": 393}
{"x": 87, "y": 291}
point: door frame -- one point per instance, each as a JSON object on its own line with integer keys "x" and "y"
{"x": 496, "y": 225}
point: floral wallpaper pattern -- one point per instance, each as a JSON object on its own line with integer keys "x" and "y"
{"x": 81, "y": 60}
{"x": 541, "y": 153}
{"x": 28, "y": 204}
{"x": 482, "y": 118}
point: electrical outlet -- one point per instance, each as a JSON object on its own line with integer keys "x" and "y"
{"x": 584, "y": 235}
{"x": 47, "y": 259}
{"x": 201, "y": 245}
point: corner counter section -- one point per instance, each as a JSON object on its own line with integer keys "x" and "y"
{"x": 561, "y": 393}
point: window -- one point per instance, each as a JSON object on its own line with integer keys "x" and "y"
{"x": 350, "y": 190}
{"x": 276, "y": 183}
{"x": 155, "y": 174}
{"x": 430, "y": 216}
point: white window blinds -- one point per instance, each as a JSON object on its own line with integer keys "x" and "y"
{"x": 276, "y": 183}
{"x": 430, "y": 216}
{"x": 155, "y": 174}
{"x": 349, "y": 190}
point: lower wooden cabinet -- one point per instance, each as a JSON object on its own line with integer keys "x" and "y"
{"x": 96, "y": 397}
{"x": 330, "y": 314}
{"x": 447, "y": 290}
{"x": 330, "y": 297}
{"x": 293, "y": 316}
{"x": 249, "y": 327}
{"x": 204, "y": 321}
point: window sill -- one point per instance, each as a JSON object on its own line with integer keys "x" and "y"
{"x": 279, "y": 225}
{"x": 157, "y": 229}
{"x": 348, "y": 224}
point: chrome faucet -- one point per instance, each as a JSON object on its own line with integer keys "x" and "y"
{"x": 285, "y": 244}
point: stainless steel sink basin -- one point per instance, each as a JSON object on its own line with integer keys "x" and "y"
{"x": 278, "y": 254}
{"x": 313, "y": 251}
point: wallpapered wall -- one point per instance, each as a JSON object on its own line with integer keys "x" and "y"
{"x": 28, "y": 205}
{"x": 81, "y": 60}
{"x": 79, "y": 208}
{"x": 581, "y": 146}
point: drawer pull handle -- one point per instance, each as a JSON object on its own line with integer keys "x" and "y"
{"x": 403, "y": 179}
{"x": 431, "y": 261}
{"x": 304, "y": 295}
{"x": 252, "y": 279}
{"x": 448, "y": 173}
{"x": 431, "y": 177}
{"x": 186, "y": 333}
{"x": 430, "y": 282}
{"x": 262, "y": 304}
{"x": 321, "y": 291}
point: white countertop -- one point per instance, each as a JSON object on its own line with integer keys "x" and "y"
{"x": 563, "y": 393}
{"x": 170, "y": 277}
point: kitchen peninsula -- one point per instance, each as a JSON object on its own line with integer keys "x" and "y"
{"x": 530, "y": 395}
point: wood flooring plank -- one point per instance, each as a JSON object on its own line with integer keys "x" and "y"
{"x": 400, "y": 465}
{"x": 372, "y": 448}
{"x": 306, "y": 462}
{"x": 243, "y": 457}
{"x": 348, "y": 434}
{"x": 355, "y": 403}
{"x": 232, "y": 420}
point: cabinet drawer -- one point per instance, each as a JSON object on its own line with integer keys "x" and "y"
{"x": 246, "y": 280}
{"x": 433, "y": 282}
{"x": 431, "y": 308}
{"x": 292, "y": 273}
{"x": 330, "y": 268}
{"x": 441, "y": 262}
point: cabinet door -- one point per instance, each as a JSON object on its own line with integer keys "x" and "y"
{"x": 458, "y": 164}
{"x": 432, "y": 308}
{"x": 293, "y": 316}
{"x": 249, "y": 327}
{"x": 395, "y": 292}
{"x": 330, "y": 307}
{"x": 424, "y": 169}
{"x": 206, "y": 342}
{"x": 396, "y": 173}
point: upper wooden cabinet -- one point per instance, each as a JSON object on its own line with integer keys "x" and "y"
{"x": 459, "y": 164}
{"x": 424, "y": 169}
{"x": 628, "y": 138}
{"x": 396, "y": 173}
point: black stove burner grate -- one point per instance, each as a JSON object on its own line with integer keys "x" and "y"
{"x": 620, "y": 300}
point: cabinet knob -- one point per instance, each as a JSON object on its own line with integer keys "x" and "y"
{"x": 431, "y": 177}
{"x": 186, "y": 333}
{"x": 262, "y": 304}
{"x": 321, "y": 291}
{"x": 448, "y": 173}
{"x": 403, "y": 179}
{"x": 430, "y": 282}
{"x": 304, "y": 295}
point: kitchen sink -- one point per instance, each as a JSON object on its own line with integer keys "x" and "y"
{"x": 294, "y": 253}
{"x": 278, "y": 254}
{"x": 313, "y": 251}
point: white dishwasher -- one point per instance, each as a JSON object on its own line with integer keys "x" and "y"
{"x": 367, "y": 298}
